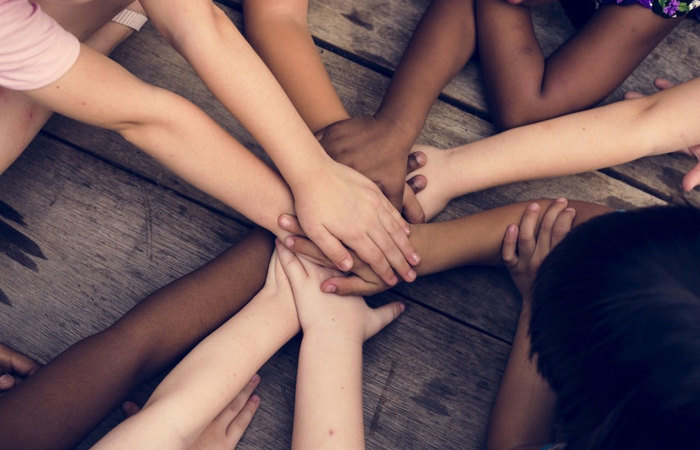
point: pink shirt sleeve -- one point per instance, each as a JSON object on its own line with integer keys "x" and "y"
{"x": 34, "y": 50}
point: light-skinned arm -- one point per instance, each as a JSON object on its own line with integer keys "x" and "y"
{"x": 182, "y": 405}
{"x": 328, "y": 402}
{"x": 335, "y": 204}
{"x": 613, "y": 134}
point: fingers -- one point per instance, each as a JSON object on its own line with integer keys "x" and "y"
{"x": 291, "y": 265}
{"x": 412, "y": 210}
{"x": 239, "y": 425}
{"x": 381, "y": 317}
{"x": 13, "y": 361}
{"x": 130, "y": 408}
{"x": 562, "y": 226}
{"x": 692, "y": 178}
{"x": 510, "y": 241}
{"x": 307, "y": 249}
{"x": 663, "y": 83}
{"x": 397, "y": 248}
{"x": 352, "y": 285}
{"x": 631, "y": 95}
{"x": 372, "y": 254}
{"x": 239, "y": 413}
{"x": 334, "y": 249}
{"x": 7, "y": 381}
{"x": 417, "y": 183}
{"x": 544, "y": 235}
{"x": 526, "y": 237}
{"x": 290, "y": 223}
{"x": 416, "y": 160}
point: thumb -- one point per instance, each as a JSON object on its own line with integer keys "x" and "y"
{"x": 291, "y": 265}
{"x": 412, "y": 210}
{"x": 381, "y": 317}
{"x": 692, "y": 178}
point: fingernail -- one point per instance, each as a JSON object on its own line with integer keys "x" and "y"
{"x": 511, "y": 228}
{"x": 561, "y": 200}
{"x": 289, "y": 242}
{"x": 285, "y": 222}
{"x": 407, "y": 230}
{"x": 6, "y": 380}
{"x": 346, "y": 264}
{"x": 255, "y": 398}
{"x": 570, "y": 209}
{"x": 415, "y": 258}
{"x": 329, "y": 289}
{"x": 393, "y": 280}
{"x": 255, "y": 378}
{"x": 402, "y": 307}
{"x": 411, "y": 275}
{"x": 534, "y": 207}
{"x": 420, "y": 158}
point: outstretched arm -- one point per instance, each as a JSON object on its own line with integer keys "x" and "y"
{"x": 523, "y": 86}
{"x": 209, "y": 377}
{"x": 471, "y": 240}
{"x": 588, "y": 140}
{"x": 378, "y": 145}
{"x": 94, "y": 375}
{"x": 328, "y": 409}
{"x": 335, "y": 205}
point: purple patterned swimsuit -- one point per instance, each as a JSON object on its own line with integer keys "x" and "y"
{"x": 669, "y": 9}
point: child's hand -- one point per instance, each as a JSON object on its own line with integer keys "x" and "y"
{"x": 363, "y": 280}
{"x": 429, "y": 170}
{"x": 14, "y": 364}
{"x": 532, "y": 246}
{"x": 341, "y": 206}
{"x": 346, "y": 317}
{"x": 692, "y": 178}
{"x": 377, "y": 150}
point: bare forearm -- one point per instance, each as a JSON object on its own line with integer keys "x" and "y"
{"x": 476, "y": 239}
{"x": 442, "y": 43}
{"x": 100, "y": 371}
{"x": 524, "y": 408}
{"x": 328, "y": 404}
{"x": 278, "y": 32}
{"x": 240, "y": 81}
{"x": 588, "y": 140}
{"x": 182, "y": 405}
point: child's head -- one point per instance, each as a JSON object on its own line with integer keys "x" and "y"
{"x": 616, "y": 330}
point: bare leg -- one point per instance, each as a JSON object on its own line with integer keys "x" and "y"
{"x": 97, "y": 373}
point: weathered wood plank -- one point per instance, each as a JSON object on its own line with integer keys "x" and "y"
{"x": 150, "y": 58}
{"x": 108, "y": 238}
{"x": 378, "y": 31}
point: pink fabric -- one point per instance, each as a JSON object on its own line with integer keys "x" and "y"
{"x": 34, "y": 50}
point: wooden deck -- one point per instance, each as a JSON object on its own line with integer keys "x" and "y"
{"x": 89, "y": 225}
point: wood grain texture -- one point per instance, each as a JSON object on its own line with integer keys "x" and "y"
{"x": 376, "y": 33}
{"x": 361, "y": 90}
{"x": 110, "y": 238}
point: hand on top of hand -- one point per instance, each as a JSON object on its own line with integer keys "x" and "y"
{"x": 341, "y": 206}
{"x": 525, "y": 247}
{"x": 14, "y": 366}
{"x": 362, "y": 281}
{"x": 378, "y": 150}
{"x": 319, "y": 312}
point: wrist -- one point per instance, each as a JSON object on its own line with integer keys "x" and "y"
{"x": 333, "y": 336}
{"x": 398, "y": 126}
